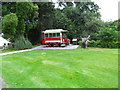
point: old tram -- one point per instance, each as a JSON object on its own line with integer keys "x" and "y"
{"x": 55, "y": 37}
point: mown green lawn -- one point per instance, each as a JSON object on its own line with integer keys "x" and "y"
{"x": 13, "y": 49}
{"x": 76, "y": 68}
{"x": 8, "y": 50}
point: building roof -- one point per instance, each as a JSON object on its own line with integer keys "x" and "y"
{"x": 54, "y": 31}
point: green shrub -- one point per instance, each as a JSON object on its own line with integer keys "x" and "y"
{"x": 108, "y": 34}
{"x": 94, "y": 43}
{"x": 100, "y": 44}
{"x": 10, "y": 22}
{"x": 80, "y": 43}
{"x": 22, "y": 43}
{"x": 118, "y": 44}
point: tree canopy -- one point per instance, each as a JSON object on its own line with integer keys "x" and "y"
{"x": 10, "y": 22}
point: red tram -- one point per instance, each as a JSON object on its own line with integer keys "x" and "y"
{"x": 55, "y": 37}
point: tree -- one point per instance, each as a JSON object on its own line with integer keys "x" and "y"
{"x": 84, "y": 18}
{"x": 8, "y": 7}
{"x": 45, "y": 18}
{"x": 26, "y": 12}
{"x": 61, "y": 21}
{"x": 108, "y": 34}
{"x": 10, "y": 22}
{"x": 118, "y": 22}
{"x": 88, "y": 18}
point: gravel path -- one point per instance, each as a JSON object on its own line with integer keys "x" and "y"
{"x": 67, "y": 47}
{"x": 2, "y": 54}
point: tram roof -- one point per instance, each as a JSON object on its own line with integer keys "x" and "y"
{"x": 54, "y": 31}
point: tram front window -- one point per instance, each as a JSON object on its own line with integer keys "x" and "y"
{"x": 46, "y": 35}
{"x": 64, "y": 35}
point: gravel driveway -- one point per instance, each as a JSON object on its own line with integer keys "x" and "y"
{"x": 67, "y": 47}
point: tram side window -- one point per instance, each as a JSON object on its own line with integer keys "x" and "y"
{"x": 54, "y": 34}
{"x": 58, "y": 34}
{"x": 46, "y": 35}
{"x": 50, "y": 34}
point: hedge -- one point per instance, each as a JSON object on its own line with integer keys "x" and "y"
{"x": 106, "y": 44}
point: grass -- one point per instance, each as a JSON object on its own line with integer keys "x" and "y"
{"x": 9, "y": 50}
{"x": 76, "y": 68}
{"x": 13, "y": 49}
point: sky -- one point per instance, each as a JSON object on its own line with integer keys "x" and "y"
{"x": 108, "y": 9}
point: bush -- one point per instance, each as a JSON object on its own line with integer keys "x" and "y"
{"x": 80, "y": 43}
{"x": 108, "y": 34}
{"x": 98, "y": 43}
{"x": 94, "y": 43}
{"x": 22, "y": 43}
{"x": 10, "y": 22}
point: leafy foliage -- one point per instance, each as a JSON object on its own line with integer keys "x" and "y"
{"x": 10, "y": 22}
{"x": 26, "y": 9}
{"x": 100, "y": 44}
{"x": 26, "y": 12}
{"x": 22, "y": 43}
{"x": 84, "y": 19}
{"x": 44, "y": 20}
{"x": 107, "y": 35}
{"x": 8, "y": 7}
